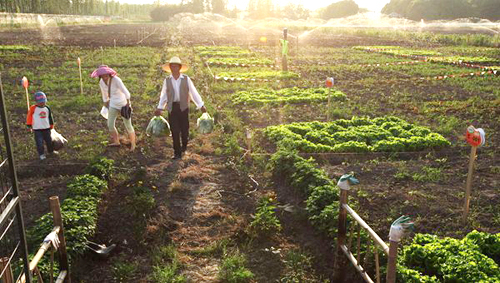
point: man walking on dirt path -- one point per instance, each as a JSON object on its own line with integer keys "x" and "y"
{"x": 177, "y": 91}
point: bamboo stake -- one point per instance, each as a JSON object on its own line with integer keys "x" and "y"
{"x": 468, "y": 189}
{"x": 391, "y": 262}
{"x": 342, "y": 231}
{"x": 55, "y": 208}
{"x": 358, "y": 245}
{"x": 377, "y": 263}
{"x": 80, "y": 71}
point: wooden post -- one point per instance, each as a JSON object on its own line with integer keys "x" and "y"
{"x": 284, "y": 56}
{"x": 102, "y": 56}
{"x": 80, "y": 70}
{"x": 7, "y": 276}
{"x": 329, "y": 105}
{"x": 391, "y": 262}
{"x": 339, "y": 267}
{"x": 55, "y": 208}
{"x": 468, "y": 189}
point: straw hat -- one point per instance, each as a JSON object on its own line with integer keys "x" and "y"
{"x": 103, "y": 70}
{"x": 175, "y": 60}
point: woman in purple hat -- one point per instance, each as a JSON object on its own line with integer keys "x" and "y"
{"x": 115, "y": 97}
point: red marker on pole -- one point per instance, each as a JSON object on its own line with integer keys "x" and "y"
{"x": 26, "y": 84}
{"x": 476, "y": 138}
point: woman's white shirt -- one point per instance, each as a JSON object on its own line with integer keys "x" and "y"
{"x": 119, "y": 93}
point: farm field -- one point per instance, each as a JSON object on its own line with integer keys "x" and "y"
{"x": 257, "y": 197}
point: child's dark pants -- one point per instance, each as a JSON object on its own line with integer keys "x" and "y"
{"x": 40, "y": 137}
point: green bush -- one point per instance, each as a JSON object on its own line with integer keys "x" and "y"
{"x": 101, "y": 167}
{"x": 233, "y": 269}
{"x": 265, "y": 222}
{"x": 142, "y": 201}
{"x": 86, "y": 186}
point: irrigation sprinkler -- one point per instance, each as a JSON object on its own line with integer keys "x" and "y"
{"x": 284, "y": 50}
{"x": 79, "y": 62}
{"x": 476, "y": 138}
{"x": 329, "y": 84}
{"x": 26, "y": 84}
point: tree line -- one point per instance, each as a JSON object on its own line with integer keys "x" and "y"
{"x": 444, "y": 9}
{"x": 75, "y": 7}
{"x": 259, "y": 9}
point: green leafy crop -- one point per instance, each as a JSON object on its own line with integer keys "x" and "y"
{"x": 286, "y": 95}
{"x": 360, "y": 134}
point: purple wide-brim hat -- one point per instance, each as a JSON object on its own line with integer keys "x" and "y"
{"x": 103, "y": 70}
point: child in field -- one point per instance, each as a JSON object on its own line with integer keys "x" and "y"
{"x": 40, "y": 122}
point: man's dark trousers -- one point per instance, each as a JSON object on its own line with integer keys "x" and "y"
{"x": 179, "y": 125}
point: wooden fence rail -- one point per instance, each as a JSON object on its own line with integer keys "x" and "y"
{"x": 54, "y": 241}
{"x": 373, "y": 245}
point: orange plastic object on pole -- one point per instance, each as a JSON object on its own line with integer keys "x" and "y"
{"x": 26, "y": 84}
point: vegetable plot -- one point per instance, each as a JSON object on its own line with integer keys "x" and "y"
{"x": 385, "y": 134}
{"x": 285, "y": 95}
{"x": 258, "y": 75}
{"x": 429, "y": 55}
{"x": 243, "y": 62}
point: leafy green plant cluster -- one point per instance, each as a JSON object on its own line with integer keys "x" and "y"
{"x": 166, "y": 265}
{"x": 141, "y": 202}
{"x": 322, "y": 194}
{"x": 261, "y": 75}
{"x": 286, "y": 95}
{"x": 79, "y": 214}
{"x": 101, "y": 167}
{"x": 431, "y": 259}
{"x": 360, "y": 134}
{"x": 86, "y": 185}
{"x": 240, "y": 61}
{"x": 123, "y": 270}
{"x": 265, "y": 222}
{"x": 298, "y": 267}
{"x": 233, "y": 269}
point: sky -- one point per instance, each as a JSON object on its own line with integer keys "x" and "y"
{"x": 373, "y": 5}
